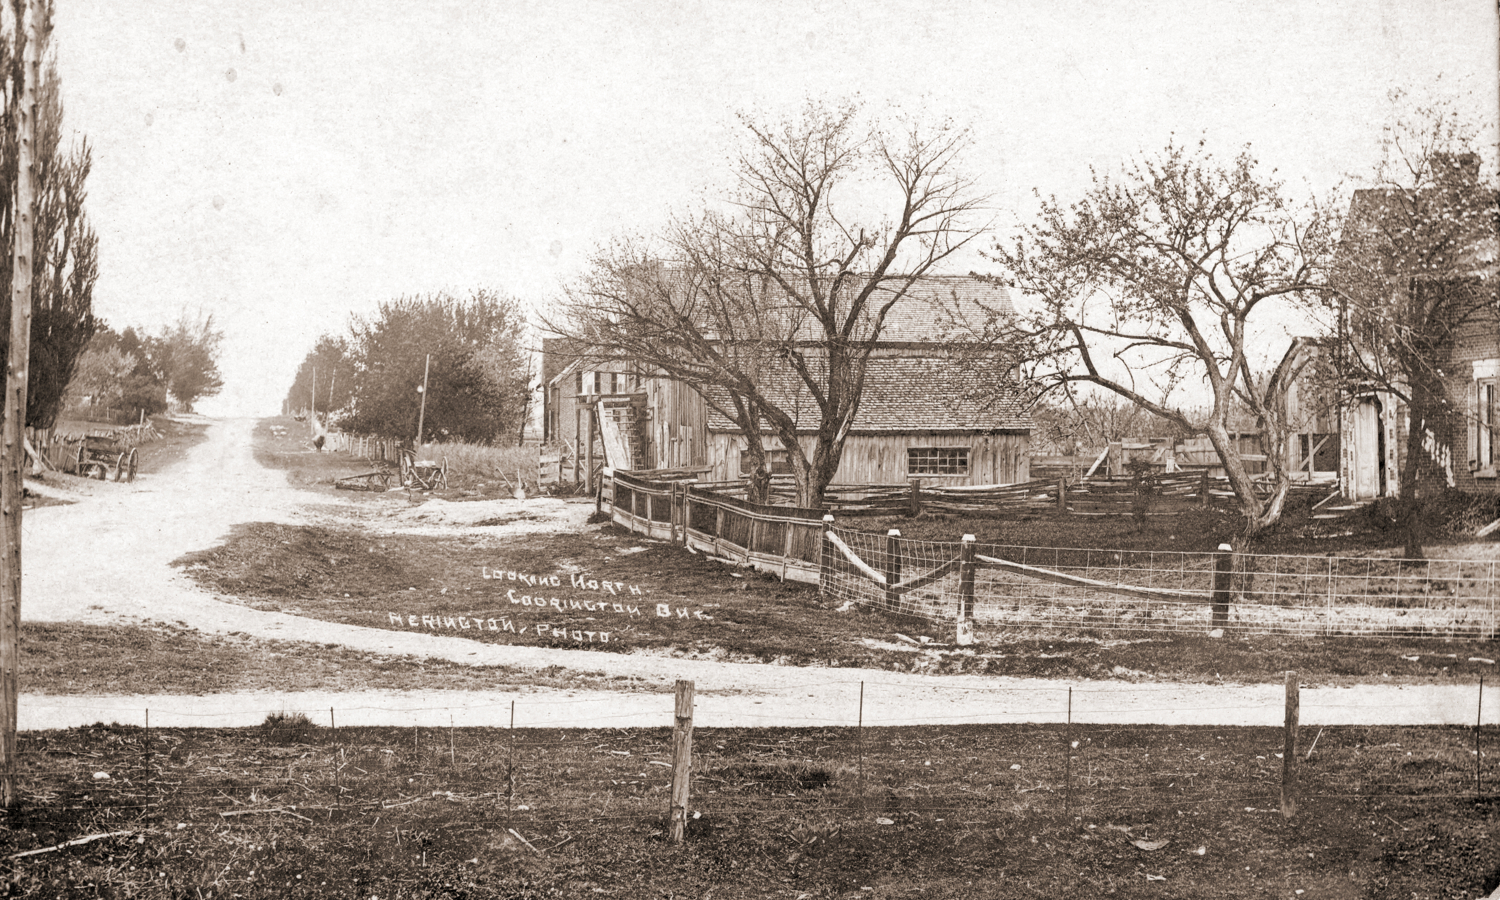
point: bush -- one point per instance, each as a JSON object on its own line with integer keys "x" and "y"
{"x": 287, "y": 728}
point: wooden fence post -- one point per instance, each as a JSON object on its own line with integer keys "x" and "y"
{"x": 1223, "y": 579}
{"x": 1289, "y": 749}
{"x": 892, "y": 570}
{"x": 1203, "y": 498}
{"x": 1116, "y": 462}
{"x": 825, "y": 555}
{"x": 1062, "y": 495}
{"x": 966, "y": 552}
{"x": 914, "y": 505}
{"x": 682, "y": 758}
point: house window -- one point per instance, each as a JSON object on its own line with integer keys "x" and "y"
{"x": 937, "y": 461}
{"x": 1485, "y": 424}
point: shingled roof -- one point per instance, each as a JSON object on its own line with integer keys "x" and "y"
{"x": 906, "y": 394}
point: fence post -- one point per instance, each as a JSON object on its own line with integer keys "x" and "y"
{"x": 966, "y": 552}
{"x": 1478, "y": 727}
{"x": 892, "y": 571}
{"x": 914, "y": 505}
{"x": 1062, "y": 495}
{"x": 825, "y": 554}
{"x": 682, "y": 758}
{"x": 1223, "y": 581}
{"x": 1289, "y": 749}
{"x": 1203, "y": 498}
{"x": 1115, "y": 463}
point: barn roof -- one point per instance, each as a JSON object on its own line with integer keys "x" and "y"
{"x": 906, "y": 394}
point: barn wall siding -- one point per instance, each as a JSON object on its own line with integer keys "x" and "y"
{"x": 881, "y": 459}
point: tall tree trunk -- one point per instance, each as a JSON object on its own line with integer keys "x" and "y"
{"x": 12, "y": 455}
{"x": 1425, "y": 473}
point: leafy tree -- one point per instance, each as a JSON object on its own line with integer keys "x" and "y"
{"x": 331, "y": 365}
{"x": 65, "y": 253}
{"x": 187, "y": 357}
{"x": 477, "y": 360}
{"x": 1415, "y": 270}
{"x": 777, "y": 296}
{"x": 1155, "y": 279}
{"x": 99, "y": 378}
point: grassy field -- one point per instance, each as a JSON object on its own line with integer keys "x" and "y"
{"x": 295, "y": 810}
{"x": 75, "y": 658}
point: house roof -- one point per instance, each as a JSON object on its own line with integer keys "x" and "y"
{"x": 905, "y": 394}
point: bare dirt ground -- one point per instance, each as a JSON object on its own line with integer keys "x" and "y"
{"x": 106, "y": 560}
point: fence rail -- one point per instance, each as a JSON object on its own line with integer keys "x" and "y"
{"x": 1001, "y": 586}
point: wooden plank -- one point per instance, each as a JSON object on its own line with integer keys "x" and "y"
{"x": 1080, "y": 581}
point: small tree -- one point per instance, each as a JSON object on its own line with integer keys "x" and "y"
{"x": 1153, "y": 280}
{"x": 776, "y": 300}
{"x": 1415, "y": 270}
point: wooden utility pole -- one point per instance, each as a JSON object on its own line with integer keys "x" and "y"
{"x": 13, "y": 431}
{"x": 422, "y": 408}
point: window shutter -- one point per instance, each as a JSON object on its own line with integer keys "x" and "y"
{"x": 1473, "y": 418}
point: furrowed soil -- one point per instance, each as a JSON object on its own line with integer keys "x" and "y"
{"x": 292, "y": 809}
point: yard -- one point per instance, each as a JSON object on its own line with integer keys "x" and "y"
{"x": 302, "y": 808}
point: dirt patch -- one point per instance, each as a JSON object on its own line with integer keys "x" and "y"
{"x": 615, "y": 592}
{"x": 295, "y": 809}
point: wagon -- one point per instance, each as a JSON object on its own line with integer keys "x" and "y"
{"x": 101, "y": 456}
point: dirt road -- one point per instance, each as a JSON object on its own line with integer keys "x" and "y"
{"x": 107, "y": 560}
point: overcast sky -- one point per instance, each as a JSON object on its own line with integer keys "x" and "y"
{"x": 285, "y": 164}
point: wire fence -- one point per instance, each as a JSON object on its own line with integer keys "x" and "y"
{"x": 1163, "y": 590}
{"x": 1008, "y": 586}
{"x": 528, "y": 778}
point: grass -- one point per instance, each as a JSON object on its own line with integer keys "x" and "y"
{"x": 474, "y": 471}
{"x": 472, "y": 465}
{"x": 955, "y": 811}
{"x": 62, "y": 658}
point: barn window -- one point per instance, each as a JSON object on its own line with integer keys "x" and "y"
{"x": 937, "y": 461}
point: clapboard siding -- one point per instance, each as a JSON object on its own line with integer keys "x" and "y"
{"x": 881, "y": 459}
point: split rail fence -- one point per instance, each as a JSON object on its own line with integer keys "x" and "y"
{"x": 966, "y": 584}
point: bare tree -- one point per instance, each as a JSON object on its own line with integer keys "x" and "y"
{"x": 1415, "y": 271}
{"x": 774, "y": 302}
{"x": 1151, "y": 281}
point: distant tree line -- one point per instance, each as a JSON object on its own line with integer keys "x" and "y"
{"x": 134, "y": 372}
{"x": 478, "y": 378}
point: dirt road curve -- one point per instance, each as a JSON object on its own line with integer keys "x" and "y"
{"x": 108, "y": 560}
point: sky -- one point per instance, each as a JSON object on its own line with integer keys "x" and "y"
{"x": 284, "y": 165}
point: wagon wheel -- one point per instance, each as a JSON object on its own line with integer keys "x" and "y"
{"x": 130, "y": 464}
{"x": 97, "y": 470}
{"x": 120, "y": 465}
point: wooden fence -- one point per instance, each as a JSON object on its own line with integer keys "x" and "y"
{"x": 963, "y": 582}
{"x": 715, "y": 517}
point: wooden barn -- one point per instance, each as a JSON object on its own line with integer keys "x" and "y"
{"x": 926, "y": 412}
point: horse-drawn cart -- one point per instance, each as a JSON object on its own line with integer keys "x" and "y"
{"x": 101, "y": 457}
